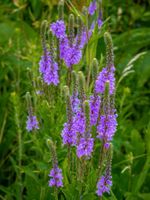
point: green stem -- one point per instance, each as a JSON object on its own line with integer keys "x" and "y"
{"x": 101, "y": 159}
{"x": 69, "y": 162}
{"x": 56, "y": 193}
{"x": 69, "y": 76}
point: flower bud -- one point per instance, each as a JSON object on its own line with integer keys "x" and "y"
{"x": 52, "y": 148}
{"x": 43, "y": 32}
{"x": 29, "y": 102}
{"x": 61, "y": 10}
{"x": 81, "y": 86}
{"x": 94, "y": 68}
{"x": 68, "y": 103}
{"x": 109, "y": 50}
{"x": 106, "y": 103}
{"x": 71, "y": 29}
{"x": 74, "y": 82}
{"x": 87, "y": 115}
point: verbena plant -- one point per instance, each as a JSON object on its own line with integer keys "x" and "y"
{"x": 90, "y": 103}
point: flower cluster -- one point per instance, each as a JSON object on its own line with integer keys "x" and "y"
{"x": 106, "y": 75}
{"x": 107, "y": 127}
{"x": 94, "y": 109}
{"x": 104, "y": 185}
{"x": 58, "y": 29}
{"x": 85, "y": 147}
{"x": 69, "y": 134}
{"x": 49, "y": 69}
{"x": 56, "y": 177}
{"x": 79, "y": 122}
{"x": 70, "y": 53}
{"x": 32, "y": 123}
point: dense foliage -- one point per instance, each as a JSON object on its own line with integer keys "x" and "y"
{"x": 25, "y": 158}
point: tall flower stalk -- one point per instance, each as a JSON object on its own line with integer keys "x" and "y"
{"x": 90, "y": 108}
{"x": 55, "y": 173}
{"x": 32, "y": 122}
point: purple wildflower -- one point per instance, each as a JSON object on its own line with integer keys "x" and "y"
{"x": 85, "y": 36}
{"x": 45, "y": 62}
{"x": 49, "y": 69}
{"x": 32, "y": 123}
{"x": 72, "y": 56}
{"x": 63, "y": 46}
{"x": 58, "y": 28}
{"x": 69, "y": 134}
{"x": 75, "y": 102}
{"x": 51, "y": 74}
{"x": 56, "y": 177}
{"x": 107, "y": 127}
{"x": 94, "y": 109}
{"x": 104, "y": 185}
{"x": 99, "y": 20}
{"x": 85, "y": 147}
{"x": 79, "y": 122}
{"x": 104, "y": 76}
{"x": 92, "y": 7}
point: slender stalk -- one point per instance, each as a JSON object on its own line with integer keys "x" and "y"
{"x": 56, "y": 193}
{"x": 101, "y": 159}
{"x": 88, "y": 52}
{"x": 69, "y": 76}
{"x": 17, "y": 121}
{"x": 69, "y": 161}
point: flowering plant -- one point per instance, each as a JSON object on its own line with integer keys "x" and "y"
{"x": 89, "y": 96}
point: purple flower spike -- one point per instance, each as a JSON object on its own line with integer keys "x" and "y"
{"x": 92, "y": 8}
{"x": 58, "y": 28}
{"x": 107, "y": 127}
{"x": 85, "y": 147}
{"x": 79, "y": 122}
{"x": 56, "y": 177}
{"x": 49, "y": 69}
{"x": 51, "y": 75}
{"x": 72, "y": 56}
{"x": 32, "y": 123}
{"x": 75, "y": 102}
{"x": 94, "y": 109}
{"x": 63, "y": 47}
{"x": 103, "y": 185}
{"x": 69, "y": 134}
{"x": 104, "y": 76}
{"x": 45, "y": 62}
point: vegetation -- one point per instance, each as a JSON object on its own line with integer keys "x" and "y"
{"x": 25, "y": 157}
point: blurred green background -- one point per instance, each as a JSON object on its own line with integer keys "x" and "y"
{"x": 24, "y": 166}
